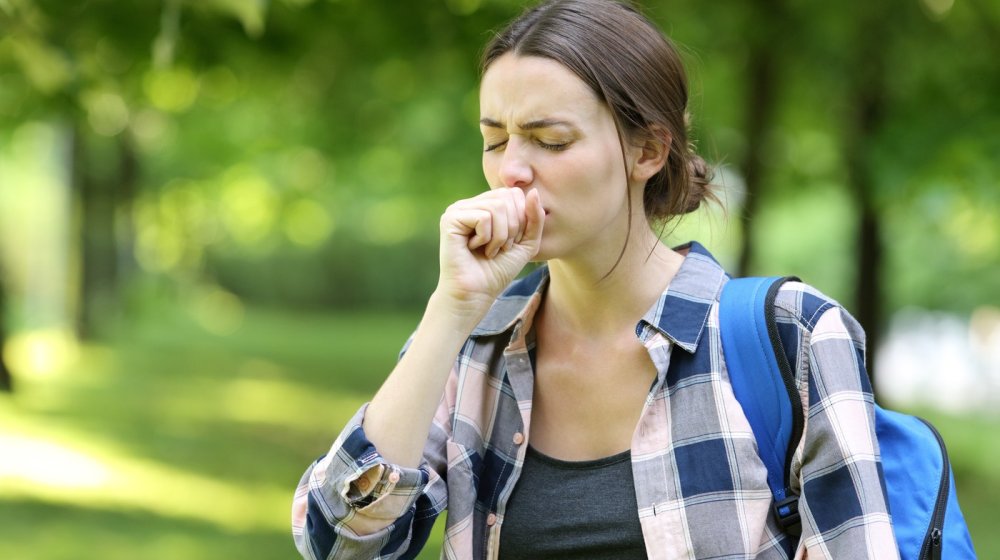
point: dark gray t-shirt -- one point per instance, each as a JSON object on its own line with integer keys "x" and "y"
{"x": 573, "y": 510}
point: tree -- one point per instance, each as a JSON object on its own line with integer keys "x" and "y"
{"x": 6, "y": 380}
{"x": 867, "y": 100}
{"x": 763, "y": 82}
{"x": 82, "y": 64}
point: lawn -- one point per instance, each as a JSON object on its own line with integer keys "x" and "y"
{"x": 172, "y": 442}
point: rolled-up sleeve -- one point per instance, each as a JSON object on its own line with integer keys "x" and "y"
{"x": 351, "y": 503}
{"x": 843, "y": 501}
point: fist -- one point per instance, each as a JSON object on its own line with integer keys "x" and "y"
{"x": 486, "y": 241}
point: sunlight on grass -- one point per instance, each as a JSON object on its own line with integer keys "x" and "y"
{"x": 42, "y": 464}
{"x": 279, "y": 402}
{"x": 41, "y": 353}
{"x": 49, "y": 458}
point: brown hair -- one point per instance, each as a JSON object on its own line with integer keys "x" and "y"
{"x": 633, "y": 68}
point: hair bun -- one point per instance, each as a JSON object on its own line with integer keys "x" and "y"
{"x": 699, "y": 182}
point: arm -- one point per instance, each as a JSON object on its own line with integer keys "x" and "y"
{"x": 485, "y": 242}
{"x": 843, "y": 501}
{"x": 350, "y": 503}
{"x": 377, "y": 490}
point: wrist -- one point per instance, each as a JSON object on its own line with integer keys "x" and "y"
{"x": 459, "y": 314}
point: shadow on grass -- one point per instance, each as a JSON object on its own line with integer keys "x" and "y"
{"x": 353, "y": 351}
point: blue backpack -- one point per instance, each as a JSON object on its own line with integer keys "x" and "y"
{"x": 921, "y": 488}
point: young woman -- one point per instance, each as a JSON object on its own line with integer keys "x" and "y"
{"x": 584, "y": 411}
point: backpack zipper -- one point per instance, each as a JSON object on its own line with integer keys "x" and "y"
{"x": 931, "y": 549}
{"x": 787, "y": 376}
{"x": 787, "y": 510}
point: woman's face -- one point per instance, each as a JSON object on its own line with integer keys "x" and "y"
{"x": 545, "y": 130}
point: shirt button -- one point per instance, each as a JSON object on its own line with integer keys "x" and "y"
{"x": 362, "y": 483}
{"x": 491, "y": 520}
{"x": 518, "y": 438}
{"x": 394, "y": 477}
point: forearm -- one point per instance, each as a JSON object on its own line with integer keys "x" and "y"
{"x": 333, "y": 512}
{"x": 399, "y": 417}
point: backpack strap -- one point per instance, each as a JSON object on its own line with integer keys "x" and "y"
{"x": 763, "y": 383}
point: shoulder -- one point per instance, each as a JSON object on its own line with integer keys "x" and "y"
{"x": 815, "y": 313}
{"x": 824, "y": 343}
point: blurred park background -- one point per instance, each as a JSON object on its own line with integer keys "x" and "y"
{"x": 218, "y": 224}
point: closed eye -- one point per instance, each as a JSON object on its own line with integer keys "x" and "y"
{"x": 544, "y": 145}
{"x": 553, "y": 147}
{"x": 492, "y": 147}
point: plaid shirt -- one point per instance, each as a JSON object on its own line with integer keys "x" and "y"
{"x": 700, "y": 486}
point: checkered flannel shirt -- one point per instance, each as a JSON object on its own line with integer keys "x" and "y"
{"x": 700, "y": 485}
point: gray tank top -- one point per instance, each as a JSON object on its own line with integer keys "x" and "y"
{"x": 573, "y": 510}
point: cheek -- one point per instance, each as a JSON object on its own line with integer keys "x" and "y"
{"x": 490, "y": 171}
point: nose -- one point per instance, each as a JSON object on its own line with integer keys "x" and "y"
{"x": 515, "y": 167}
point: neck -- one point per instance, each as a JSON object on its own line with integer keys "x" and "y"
{"x": 585, "y": 298}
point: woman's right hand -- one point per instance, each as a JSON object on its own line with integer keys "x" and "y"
{"x": 485, "y": 242}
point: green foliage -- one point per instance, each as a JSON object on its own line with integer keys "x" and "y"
{"x": 317, "y": 130}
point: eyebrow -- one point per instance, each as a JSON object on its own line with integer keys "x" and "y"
{"x": 530, "y": 125}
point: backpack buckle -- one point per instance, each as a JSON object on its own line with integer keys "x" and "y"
{"x": 787, "y": 513}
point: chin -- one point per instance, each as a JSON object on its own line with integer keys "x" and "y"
{"x": 539, "y": 258}
{"x": 547, "y": 251}
{"x": 542, "y": 255}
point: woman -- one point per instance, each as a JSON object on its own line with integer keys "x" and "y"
{"x": 584, "y": 411}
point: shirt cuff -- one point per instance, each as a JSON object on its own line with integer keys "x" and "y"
{"x": 371, "y": 486}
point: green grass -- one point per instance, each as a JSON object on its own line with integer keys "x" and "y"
{"x": 172, "y": 442}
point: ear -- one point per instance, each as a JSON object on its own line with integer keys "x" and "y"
{"x": 651, "y": 154}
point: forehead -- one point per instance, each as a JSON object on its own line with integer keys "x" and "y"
{"x": 520, "y": 88}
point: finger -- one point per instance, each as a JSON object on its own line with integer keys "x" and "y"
{"x": 534, "y": 217}
{"x": 464, "y": 222}
{"x": 519, "y": 206}
{"x": 514, "y": 219}
{"x": 484, "y": 230}
{"x": 498, "y": 212}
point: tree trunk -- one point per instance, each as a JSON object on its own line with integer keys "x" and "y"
{"x": 6, "y": 380}
{"x": 760, "y": 110}
{"x": 97, "y": 251}
{"x": 868, "y": 292}
{"x": 867, "y": 99}
{"x": 125, "y": 193}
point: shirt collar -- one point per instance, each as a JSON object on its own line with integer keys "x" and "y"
{"x": 509, "y": 308}
{"x": 680, "y": 313}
